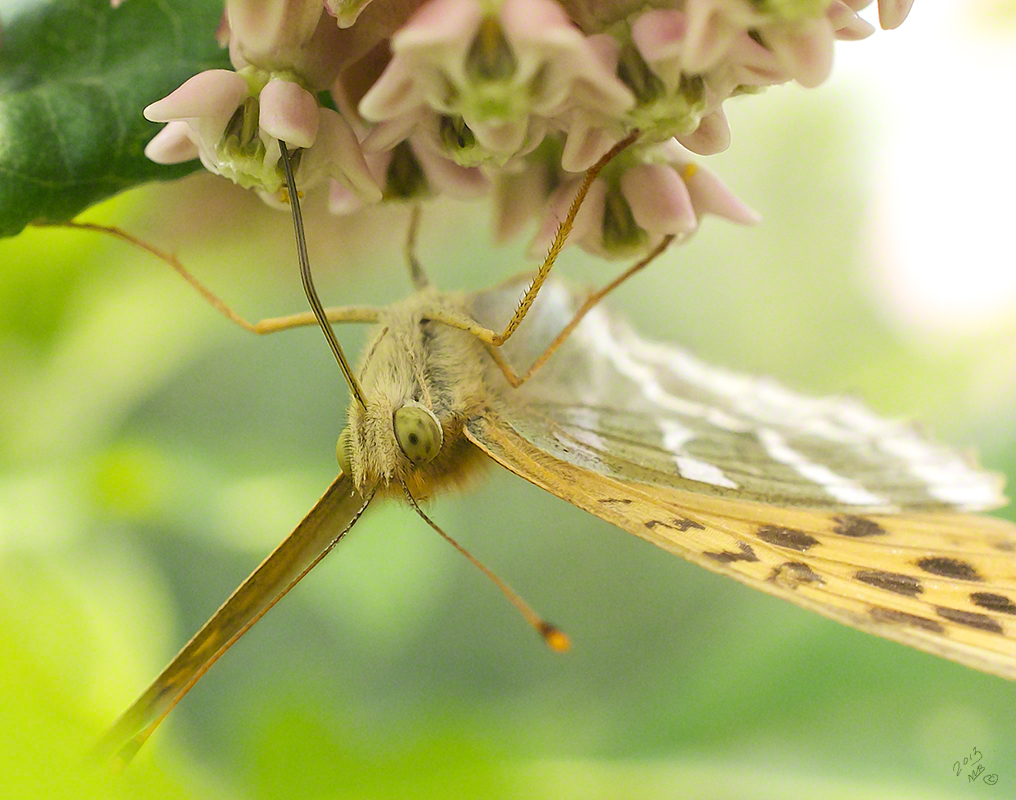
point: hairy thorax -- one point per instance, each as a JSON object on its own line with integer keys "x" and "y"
{"x": 414, "y": 361}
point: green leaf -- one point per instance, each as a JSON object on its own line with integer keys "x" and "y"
{"x": 74, "y": 78}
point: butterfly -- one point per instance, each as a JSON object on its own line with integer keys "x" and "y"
{"x": 815, "y": 500}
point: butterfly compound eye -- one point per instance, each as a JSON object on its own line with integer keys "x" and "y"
{"x": 344, "y": 451}
{"x": 418, "y": 433}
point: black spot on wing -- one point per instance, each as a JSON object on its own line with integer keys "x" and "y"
{"x": 969, "y": 618}
{"x": 890, "y": 581}
{"x": 949, "y": 568}
{"x": 624, "y": 501}
{"x": 728, "y": 556}
{"x": 894, "y": 617}
{"x": 993, "y": 602}
{"x": 789, "y": 538}
{"x": 857, "y": 527}
{"x": 791, "y": 574}
{"x": 676, "y": 524}
{"x": 1005, "y": 546}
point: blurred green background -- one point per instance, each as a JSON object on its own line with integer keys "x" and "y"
{"x": 151, "y": 455}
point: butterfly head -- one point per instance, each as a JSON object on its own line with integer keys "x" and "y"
{"x": 418, "y": 392}
{"x": 385, "y": 444}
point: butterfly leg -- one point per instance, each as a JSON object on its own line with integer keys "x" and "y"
{"x": 335, "y": 314}
{"x": 472, "y": 326}
{"x": 345, "y": 314}
{"x": 494, "y": 339}
{"x": 587, "y": 305}
{"x": 416, "y": 274}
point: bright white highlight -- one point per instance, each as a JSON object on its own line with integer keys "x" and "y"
{"x": 942, "y": 219}
{"x": 947, "y": 478}
{"x": 596, "y": 328}
{"x": 649, "y": 379}
{"x": 675, "y": 436}
{"x": 838, "y": 487}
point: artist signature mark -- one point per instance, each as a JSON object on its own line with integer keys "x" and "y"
{"x": 973, "y": 766}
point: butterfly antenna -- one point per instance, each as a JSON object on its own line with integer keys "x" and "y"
{"x": 308, "y": 280}
{"x": 556, "y": 639}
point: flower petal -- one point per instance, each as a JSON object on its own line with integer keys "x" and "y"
{"x": 806, "y": 50}
{"x": 501, "y": 137}
{"x": 172, "y": 145}
{"x": 437, "y": 24}
{"x": 712, "y": 135}
{"x": 394, "y": 93}
{"x": 658, "y": 198}
{"x": 585, "y": 144}
{"x": 346, "y": 164}
{"x": 212, "y": 93}
{"x": 754, "y": 64}
{"x": 289, "y": 112}
{"x": 268, "y": 28}
{"x": 546, "y": 41}
{"x": 595, "y": 86}
{"x": 848, "y": 24}
{"x": 295, "y": 37}
{"x": 588, "y": 229}
{"x": 222, "y": 31}
{"x": 711, "y": 196}
{"x": 659, "y": 34}
{"x": 345, "y": 11}
{"x": 385, "y": 135}
{"x": 891, "y": 13}
{"x": 342, "y": 201}
{"x": 708, "y": 37}
{"x": 447, "y": 177}
{"x": 519, "y": 196}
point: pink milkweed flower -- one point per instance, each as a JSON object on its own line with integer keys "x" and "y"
{"x": 406, "y": 159}
{"x": 891, "y": 13}
{"x": 474, "y": 87}
{"x": 295, "y": 37}
{"x": 798, "y": 32}
{"x": 408, "y": 171}
{"x": 637, "y": 200}
{"x": 520, "y": 193}
{"x": 452, "y": 139}
{"x": 847, "y": 23}
{"x": 683, "y": 64}
{"x": 346, "y": 11}
{"x": 669, "y": 100}
{"x": 497, "y": 69}
{"x": 233, "y": 122}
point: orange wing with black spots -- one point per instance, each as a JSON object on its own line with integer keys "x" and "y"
{"x": 816, "y": 500}
{"x": 943, "y": 582}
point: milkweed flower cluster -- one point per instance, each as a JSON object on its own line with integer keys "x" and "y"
{"x": 401, "y": 99}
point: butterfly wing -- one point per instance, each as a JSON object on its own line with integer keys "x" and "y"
{"x": 332, "y": 516}
{"x": 627, "y": 408}
{"x": 944, "y": 583}
{"x": 816, "y": 501}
